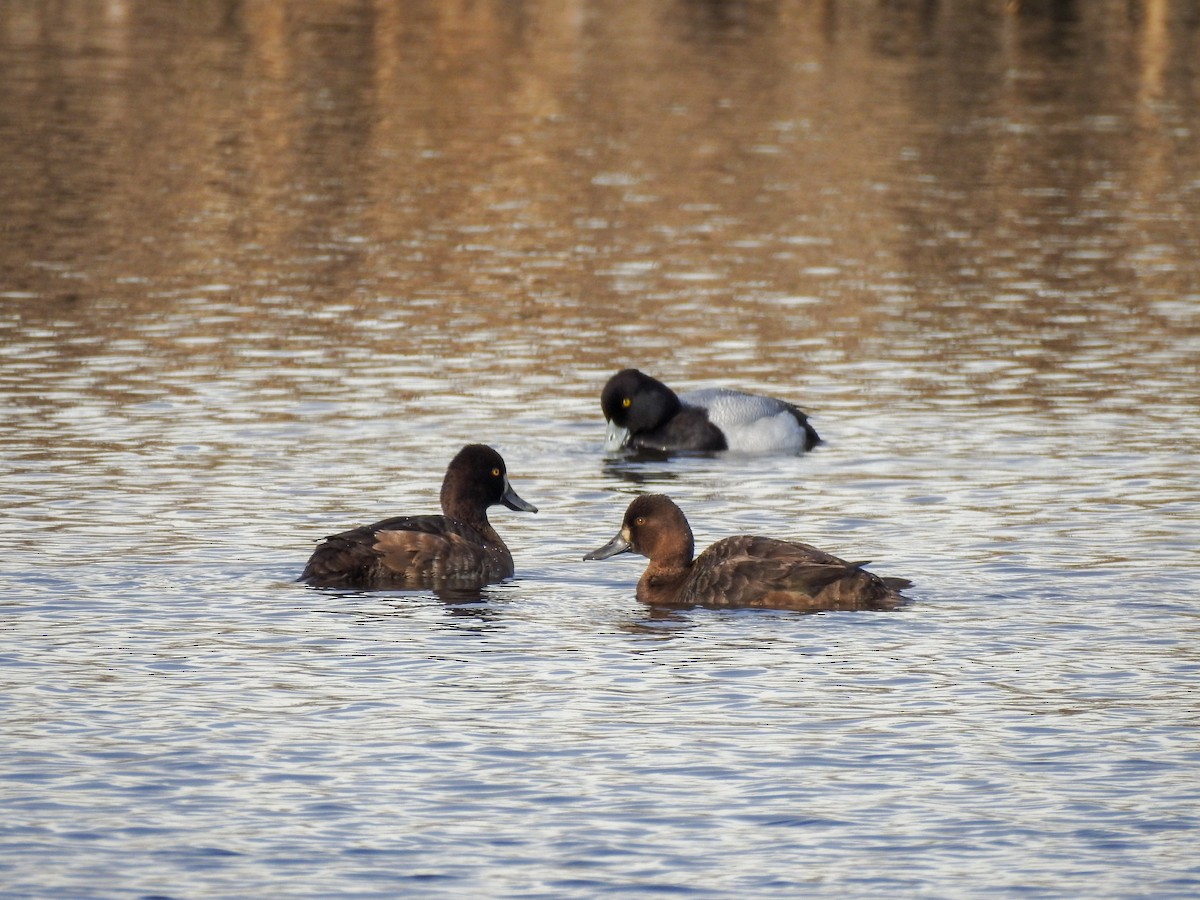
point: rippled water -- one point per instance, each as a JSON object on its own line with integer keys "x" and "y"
{"x": 266, "y": 266}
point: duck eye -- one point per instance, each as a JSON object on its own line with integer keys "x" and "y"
{"x": 626, "y": 402}
{"x": 495, "y": 473}
{"x": 640, "y": 520}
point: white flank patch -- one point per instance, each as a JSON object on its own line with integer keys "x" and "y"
{"x": 751, "y": 423}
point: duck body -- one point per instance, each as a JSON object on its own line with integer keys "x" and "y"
{"x": 644, "y": 414}
{"x": 746, "y": 571}
{"x": 457, "y": 549}
{"x": 410, "y": 552}
{"x": 752, "y": 571}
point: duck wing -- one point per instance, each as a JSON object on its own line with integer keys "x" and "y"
{"x": 407, "y": 551}
{"x": 764, "y": 572}
{"x": 733, "y": 408}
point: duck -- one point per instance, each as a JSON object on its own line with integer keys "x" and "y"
{"x": 458, "y": 549}
{"x": 741, "y": 571}
{"x": 642, "y": 413}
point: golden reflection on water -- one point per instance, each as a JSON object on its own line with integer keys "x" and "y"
{"x": 871, "y": 187}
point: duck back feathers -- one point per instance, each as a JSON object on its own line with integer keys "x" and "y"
{"x": 754, "y": 571}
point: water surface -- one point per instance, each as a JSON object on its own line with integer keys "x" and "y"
{"x": 265, "y": 267}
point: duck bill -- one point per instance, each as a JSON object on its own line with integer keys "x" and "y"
{"x": 619, "y": 544}
{"x": 510, "y": 499}
{"x": 615, "y": 437}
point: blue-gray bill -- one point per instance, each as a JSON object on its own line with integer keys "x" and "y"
{"x": 618, "y": 544}
{"x": 615, "y": 437}
{"x": 510, "y": 499}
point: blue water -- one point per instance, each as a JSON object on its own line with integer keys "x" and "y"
{"x": 265, "y": 273}
{"x": 184, "y": 720}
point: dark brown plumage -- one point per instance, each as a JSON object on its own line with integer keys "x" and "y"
{"x": 742, "y": 571}
{"x": 458, "y": 549}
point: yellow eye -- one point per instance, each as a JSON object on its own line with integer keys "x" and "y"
{"x": 495, "y": 473}
{"x": 626, "y": 402}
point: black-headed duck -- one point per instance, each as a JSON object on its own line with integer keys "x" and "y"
{"x": 644, "y": 414}
{"x": 457, "y": 549}
{"x": 742, "y": 571}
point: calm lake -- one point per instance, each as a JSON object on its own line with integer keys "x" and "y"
{"x": 265, "y": 266}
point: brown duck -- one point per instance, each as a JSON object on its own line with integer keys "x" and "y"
{"x": 458, "y": 549}
{"x": 742, "y": 571}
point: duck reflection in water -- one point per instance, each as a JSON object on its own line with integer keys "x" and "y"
{"x": 742, "y": 571}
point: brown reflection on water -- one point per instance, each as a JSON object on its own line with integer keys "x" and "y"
{"x": 869, "y": 185}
